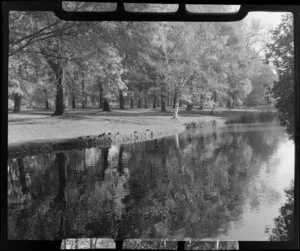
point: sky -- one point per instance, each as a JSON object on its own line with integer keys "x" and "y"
{"x": 270, "y": 19}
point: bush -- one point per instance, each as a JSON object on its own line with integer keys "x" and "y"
{"x": 267, "y": 116}
{"x": 254, "y": 117}
{"x": 248, "y": 118}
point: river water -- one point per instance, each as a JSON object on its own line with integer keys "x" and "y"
{"x": 227, "y": 184}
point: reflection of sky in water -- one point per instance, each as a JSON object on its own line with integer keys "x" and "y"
{"x": 262, "y": 203}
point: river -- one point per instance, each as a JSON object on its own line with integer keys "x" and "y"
{"x": 227, "y": 184}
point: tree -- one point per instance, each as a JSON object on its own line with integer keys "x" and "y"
{"x": 284, "y": 223}
{"x": 29, "y": 80}
{"x": 57, "y": 41}
{"x": 261, "y": 83}
{"x": 281, "y": 54}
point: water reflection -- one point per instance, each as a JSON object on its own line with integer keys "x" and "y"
{"x": 283, "y": 229}
{"x": 185, "y": 186}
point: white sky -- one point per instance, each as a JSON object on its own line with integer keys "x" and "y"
{"x": 269, "y": 19}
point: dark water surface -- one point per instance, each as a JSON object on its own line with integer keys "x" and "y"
{"x": 227, "y": 184}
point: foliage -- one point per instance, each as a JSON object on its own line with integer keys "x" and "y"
{"x": 210, "y": 64}
{"x": 284, "y": 223}
{"x": 261, "y": 83}
{"x": 253, "y": 117}
{"x": 281, "y": 54}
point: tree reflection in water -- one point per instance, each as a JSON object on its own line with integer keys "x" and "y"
{"x": 284, "y": 223}
{"x": 185, "y": 186}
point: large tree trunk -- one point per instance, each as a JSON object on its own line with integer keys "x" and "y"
{"x": 121, "y": 97}
{"x": 174, "y": 100}
{"x": 139, "y": 103}
{"x": 131, "y": 102}
{"x": 17, "y": 102}
{"x": 106, "y": 105}
{"x": 83, "y": 94}
{"x": 59, "y": 99}
{"x": 100, "y": 93}
{"x": 163, "y": 104}
{"x": 154, "y": 101}
{"x": 58, "y": 71}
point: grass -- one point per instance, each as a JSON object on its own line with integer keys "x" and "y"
{"x": 37, "y": 125}
{"x": 38, "y": 129}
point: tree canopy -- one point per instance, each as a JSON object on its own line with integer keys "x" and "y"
{"x": 57, "y": 63}
{"x": 281, "y": 55}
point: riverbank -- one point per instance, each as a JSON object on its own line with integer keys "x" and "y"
{"x": 37, "y": 131}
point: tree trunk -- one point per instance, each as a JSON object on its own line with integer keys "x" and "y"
{"x": 73, "y": 102}
{"x": 60, "y": 162}
{"x": 104, "y": 161}
{"x": 22, "y": 178}
{"x": 83, "y": 94}
{"x": 146, "y": 96}
{"x": 131, "y": 102}
{"x": 176, "y": 112}
{"x": 46, "y": 99}
{"x": 17, "y": 102}
{"x": 139, "y": 103}
{"x": 120, "y": 160}
{"x": 146, "y": 102}
{"x": 167, "y": 99}
{"x": 121, "y": 97}
{"x": 174, "y": 100}
{"x": 100, "y": 93}
{"x": 59, "y": 99}
{"x": 46, "y": 105}
{"x": 180, "y": 102}
{"x": 201, "y": 105}
{"x": 215, "y": 96}
{"x": 189, "y": 106}
{"x": 58, "y": 71}
{"x": 154, "y": 101}
{"x": 106, "y": 105}
{"x": 163, "y": 104}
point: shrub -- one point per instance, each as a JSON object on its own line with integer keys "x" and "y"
{"x": 248, "y": 118}
{"x": 267, "y": 116}
{"x": 254, "y": 117}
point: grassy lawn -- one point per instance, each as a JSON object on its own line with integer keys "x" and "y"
{"x": 32, "y": 125}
